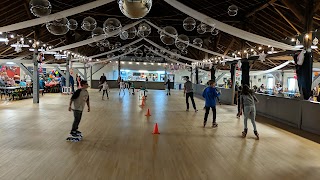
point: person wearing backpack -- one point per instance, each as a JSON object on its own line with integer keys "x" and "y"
{"x": 247, "y": 103}
{"x": 79, "y": 99}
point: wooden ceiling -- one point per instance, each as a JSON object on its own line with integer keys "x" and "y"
{"x": 279, "y": 20}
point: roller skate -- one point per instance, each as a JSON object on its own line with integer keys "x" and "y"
{"x": 244, "y": 132}
{"x": 257, "y": 134}
{"x": 214, "y": 125}
{"x": 75, "y": 136}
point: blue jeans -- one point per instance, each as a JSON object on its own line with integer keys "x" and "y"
{"x": 250, "y": 112}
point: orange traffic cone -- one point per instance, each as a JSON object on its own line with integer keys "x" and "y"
{"x": 142, "y": 103}
{"x": 148, "y": 113}
{"x": 155, "y": 129}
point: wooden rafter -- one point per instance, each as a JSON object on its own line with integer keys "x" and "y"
{"x": 229, "y": 46}
{"x": 260, "y": 8}
{"x": 286, "y": 19}
{"x": 297, "y": 11}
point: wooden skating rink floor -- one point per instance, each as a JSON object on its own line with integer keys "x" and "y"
{"x": 118, "y": 143}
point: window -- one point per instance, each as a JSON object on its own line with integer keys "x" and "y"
{"x": 270, "y": 83}
{"x": 291, "y": 84}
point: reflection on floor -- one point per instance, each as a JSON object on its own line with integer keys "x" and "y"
{"x": 118, "y": 143}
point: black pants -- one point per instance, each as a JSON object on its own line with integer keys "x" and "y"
{"x": 239, "y": 107}
{"x": 77, "y": 118}
{"x": 190, "y": 94}
{"x": 105, "y": 91}
{"x": 214, "y": 111}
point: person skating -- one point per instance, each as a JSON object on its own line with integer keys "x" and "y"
{"x": 210, "y": 94}
{"x": 247, "y": 102}
{"x": 168, "y": 87}
{"x": 122, "y": 87}
{"x": 105, "y": 88}
{"x": 188, "y": 92}
{"x": 103, "y": 78}
{"x": 79, "y": 99}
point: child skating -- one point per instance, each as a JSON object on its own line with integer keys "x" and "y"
{"x": 122, "y": 87}
{"x": 105, "y": 88}
{"x": 210, "y": 94}
{"x": 78, "y": 100}
{"x": 247, "y": 103}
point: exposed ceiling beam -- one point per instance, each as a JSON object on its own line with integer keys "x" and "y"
{"x": 297, "y": 11}
{"x": 229, "y": 46}
{"x": 284, "y": 17}
{"x": 316, "y": 6}
{"x": 260, "y": 8}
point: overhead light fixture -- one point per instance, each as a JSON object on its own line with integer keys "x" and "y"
{"x": 293, "y": 40}
{"x": 130, "y": 62}
{"x": 260, "y": 48}
{"x": 122, "y": 62}
{"x": 4, "y": 39}
{"x": 314, "y": 47}
{"x": 159, "y": 64}
{"x": 20, "y": 45}
{"x": 11, "y": 36}
{"x": 137, "y": 63}
{"x": 145, "y": 63}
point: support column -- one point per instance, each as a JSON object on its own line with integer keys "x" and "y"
{"x": 165, "y": 74}
{"x": 213, "y": 73}
{"x": 119, "y": 68}
{"x": 91, "y": 76}
{"x": 35, "y": 78}
{"x": 245, "y": 68}
{"x": 67, "y": 73}
{"x": 233, "y": 79}
{"x": 85, "y": 72}
{"x": 304, "y": 72}
{"x": 191, "y": 75}
{"x": 197, "y": 75}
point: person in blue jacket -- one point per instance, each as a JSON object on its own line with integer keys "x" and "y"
{"x": 210, "y": 94}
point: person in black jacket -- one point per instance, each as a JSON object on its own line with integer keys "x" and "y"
{"x": 103, "y": 78}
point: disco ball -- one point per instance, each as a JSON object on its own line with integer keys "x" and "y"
{"x": 138, "y": 53}
{"x": 149, "y": 56}
{"x": 135, "y": 9}
{"x": 98, "y": 31}
{"x": 184, "y": 51}
{"x": 232, "y": 13}
{"x": 168, "y": 40}
{"x": 132, "y": 32}
{"x": 124, "y": 35}
{"x": 111, "y": 47}
{"x": 215, "y": 32}
{"x": 189, "y": 24}
{"x": 117, "y": 45}
{"x": 197, "y": 42}
{"x": 110, "y": 55}
{"x": 144, "y": 30}
{"x": 200, "y": 30}
{"x": 89, "y": 24}
{"x": 206, "y": 27}
{"x": 111, "y": 24}
{"x": 58, "y": 26}
{"x": 73, "y": 24}
{"x": 182, "y": 41}
{"x": 175, "y": 56}
{"x": 104, "y": 43}
{"x": 40, "y": 8}
{"x": 233, "y": 10}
